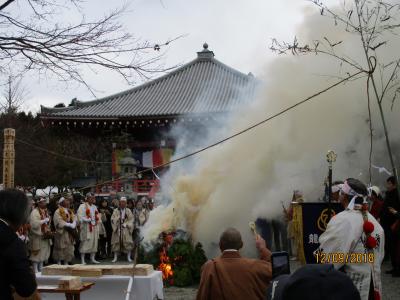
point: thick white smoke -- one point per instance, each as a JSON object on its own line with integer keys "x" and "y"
{"x": 249, "y": 176}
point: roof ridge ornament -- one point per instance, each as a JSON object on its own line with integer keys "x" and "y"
{"x": 205, "y": 54}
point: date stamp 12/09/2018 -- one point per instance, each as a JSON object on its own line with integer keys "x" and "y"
{"x": 344, "y": 258}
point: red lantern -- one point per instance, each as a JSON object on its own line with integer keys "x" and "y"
{"x": 371, "y": 242}
{"x": 368, "y": 227}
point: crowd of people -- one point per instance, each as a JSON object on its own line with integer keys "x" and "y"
{"x": 33, "y": 234}
{"x": 367, "y": 228}
{"x": 81, "y": 229}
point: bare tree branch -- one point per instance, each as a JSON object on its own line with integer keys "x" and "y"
{"x": 13, "y": 96}
{"x": 5, "y": 4}
{"x": 374, "y": 22}
{"x": 43, "y": 44}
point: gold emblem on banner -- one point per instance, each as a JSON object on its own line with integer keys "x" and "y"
{"x": 322, "y": 221}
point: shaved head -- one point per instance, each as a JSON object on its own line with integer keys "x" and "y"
{"x": 230, "y": 239}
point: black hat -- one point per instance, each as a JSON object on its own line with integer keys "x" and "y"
{"x": 313, "y": 282}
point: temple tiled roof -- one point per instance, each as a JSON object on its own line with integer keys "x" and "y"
{"x": 204, "y": 85}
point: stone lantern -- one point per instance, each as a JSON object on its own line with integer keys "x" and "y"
{"x": 128, "y": 166}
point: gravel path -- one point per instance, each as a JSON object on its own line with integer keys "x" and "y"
{"x": 174, "y": 293}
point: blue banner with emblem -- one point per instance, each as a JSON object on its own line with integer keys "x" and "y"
{"x": 314, "y": 221}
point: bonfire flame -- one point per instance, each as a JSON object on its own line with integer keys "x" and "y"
{"x": 165, "y": 265}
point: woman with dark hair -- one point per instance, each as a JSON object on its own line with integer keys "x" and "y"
{"x": 15, "y": 269}
{"x": 130, "y": 205}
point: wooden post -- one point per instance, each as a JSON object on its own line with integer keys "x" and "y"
{"x": 8, "y": 158}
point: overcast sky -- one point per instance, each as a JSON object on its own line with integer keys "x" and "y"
{"x": 238, "y": 31}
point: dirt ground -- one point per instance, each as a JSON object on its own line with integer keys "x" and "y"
{"x": 174, "y": 293}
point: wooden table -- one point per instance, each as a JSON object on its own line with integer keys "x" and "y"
{"x": 74, "y": 294}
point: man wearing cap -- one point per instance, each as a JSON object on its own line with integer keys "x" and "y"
{"x": 354, "y": 241}
{"x": 122, "y": 226}
{"x": 39, "y": 235}
{"x": 89, "y": 219}
{"x": 64, "y": 239}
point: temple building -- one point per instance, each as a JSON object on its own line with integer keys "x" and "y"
{"x": 140, "y": 119}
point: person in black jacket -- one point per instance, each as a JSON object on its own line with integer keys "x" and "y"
{"x": 387, "y": 220}
{"x": 15, "y": 269}
{"x": 396, "y": 232}
{"x": 395, "y": 213}
{"x": 105, "y": 241}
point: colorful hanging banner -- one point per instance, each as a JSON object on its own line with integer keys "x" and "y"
{"x": 156, "y": 157}
{"x": 147, "y": 159}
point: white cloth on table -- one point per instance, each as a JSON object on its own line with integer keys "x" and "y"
{"x": 146, "y": 289}
{"x": 112, "y": 287}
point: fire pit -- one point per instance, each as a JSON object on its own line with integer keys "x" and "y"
{"x": 176, "y": 256}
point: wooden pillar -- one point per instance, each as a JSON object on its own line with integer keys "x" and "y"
{"x": 298, "y": 231}
{"x": 8, "y": 158}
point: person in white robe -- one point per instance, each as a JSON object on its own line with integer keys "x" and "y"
{"x": 39, "y": 235}
{"x": 89, "y": 218}
{"x": 351, "y": 245}
{"x": 141, "y": 214}
{"x": 64, "y": 238}
{"x": 122, "y": 223}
